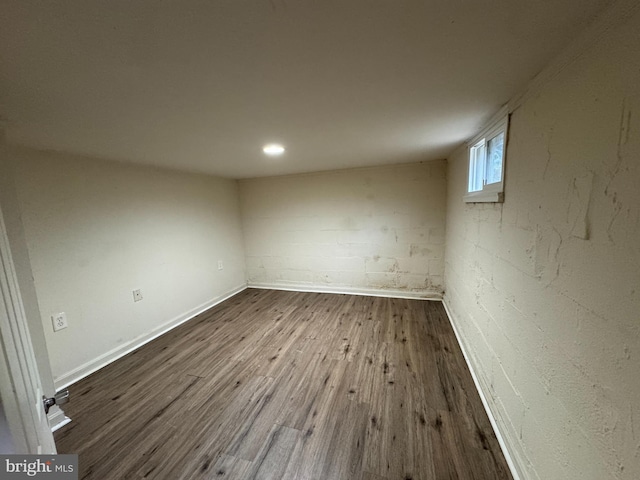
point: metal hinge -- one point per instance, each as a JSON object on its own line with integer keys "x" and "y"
{"x": 60, "y": 398}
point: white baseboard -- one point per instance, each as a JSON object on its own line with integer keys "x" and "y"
{"x": 57, "y": 418}
{"x": 369, "y": 292}
{"x": 105, "y": 359}
{"x": 515, "y": 470}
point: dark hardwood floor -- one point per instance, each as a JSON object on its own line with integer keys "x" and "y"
{"x": 286, "y": 385}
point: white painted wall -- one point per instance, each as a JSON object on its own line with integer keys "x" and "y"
{"x": 367, "y": 230}
{"x": 545, "y": 288}
{"x": 22, "y": 264}
{"x": 20, "y": 255}
{"x": 96, "y": 230}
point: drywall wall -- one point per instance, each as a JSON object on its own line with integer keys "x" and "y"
{"x": 545, "y": 288}
{"x": 22, "y": 264}
{"x": 97, "y": 230}
{"x": 362, "y": 230}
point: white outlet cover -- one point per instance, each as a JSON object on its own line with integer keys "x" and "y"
{"x": 220, "y": 265}
{"x": 137, "y": 295}
{"x": 59, "y": 321}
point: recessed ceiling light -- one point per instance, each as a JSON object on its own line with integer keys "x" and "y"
{"x": 273, "y": 149}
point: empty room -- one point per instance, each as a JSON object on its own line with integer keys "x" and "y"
{"x": 362, "y": 240}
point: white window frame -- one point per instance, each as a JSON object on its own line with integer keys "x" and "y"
{"x": 493, "y": 192}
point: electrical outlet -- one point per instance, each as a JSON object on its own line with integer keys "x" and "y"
{"x": 59, "y": 321}
{"x": 220, "y": 265}
{"x": 137, "y": 295}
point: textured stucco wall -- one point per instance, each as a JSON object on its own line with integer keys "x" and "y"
{"x": 372, "y": 229}
{"x": 545, "y": 288}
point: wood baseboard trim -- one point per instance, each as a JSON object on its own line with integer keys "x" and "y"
{"x": 58, "y": 425}
{"x": 367, "y": 292}
{"x": 515, "y": 470}
{"x": 57, "y": 418}
{"x": 105, "y": 359}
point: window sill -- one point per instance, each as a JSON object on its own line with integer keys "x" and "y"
{"x": 484, "y": 197}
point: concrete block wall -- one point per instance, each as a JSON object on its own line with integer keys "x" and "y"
{"x": 545, "y": 288}
{"x": 378, "y": 229}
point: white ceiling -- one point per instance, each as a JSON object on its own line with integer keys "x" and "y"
{"x": 202, "y": 85}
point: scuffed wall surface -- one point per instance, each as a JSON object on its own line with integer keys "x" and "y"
{"x": 545, "y": 288}
{"x": 96, "y": 230}
{"x": 370, "y": 229}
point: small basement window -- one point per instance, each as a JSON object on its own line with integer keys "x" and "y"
{"x": 486, "y": 164}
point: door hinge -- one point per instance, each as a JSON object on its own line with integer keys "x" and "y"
{"x": 60, "y": 398}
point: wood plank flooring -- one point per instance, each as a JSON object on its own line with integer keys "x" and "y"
{"x": 288, "y": 385}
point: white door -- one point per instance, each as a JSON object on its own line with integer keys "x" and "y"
{"x": 20, "y": 388}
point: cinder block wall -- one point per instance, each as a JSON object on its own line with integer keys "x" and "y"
{"x": 545, "y": 288}
{"x": 370, "y": 230}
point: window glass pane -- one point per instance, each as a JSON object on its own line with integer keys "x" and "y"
{"x": 494, "y": 158}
